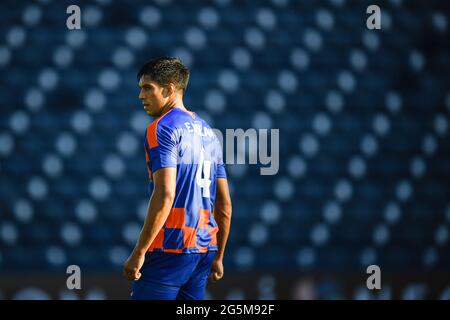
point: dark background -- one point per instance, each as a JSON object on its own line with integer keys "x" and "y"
{"x": 364, "y": 142}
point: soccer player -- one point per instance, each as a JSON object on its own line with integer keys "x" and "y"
{"x": 182, "y": 242}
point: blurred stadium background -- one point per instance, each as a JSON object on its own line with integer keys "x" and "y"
{"x": 364, "y": 142}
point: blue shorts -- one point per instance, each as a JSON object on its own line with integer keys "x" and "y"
{"x": 170, "y": 276}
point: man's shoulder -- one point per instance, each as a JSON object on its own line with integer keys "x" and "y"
{"x": 178, "y": 121}
{"x": 168, "y": 121}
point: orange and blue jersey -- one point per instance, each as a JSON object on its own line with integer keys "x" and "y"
{"x": 186, "y": 142}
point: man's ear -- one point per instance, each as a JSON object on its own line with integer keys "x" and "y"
{"x": 169, "y": 90}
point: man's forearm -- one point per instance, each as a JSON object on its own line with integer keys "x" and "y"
{"x": 157, "y": 212}
{"x": 222, "y": 215}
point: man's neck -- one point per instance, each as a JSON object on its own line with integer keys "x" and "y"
{"x": 177, "y": 103}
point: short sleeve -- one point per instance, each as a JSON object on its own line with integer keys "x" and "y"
{"x": 161, "y": 146}
{"x": 221, "y": 172}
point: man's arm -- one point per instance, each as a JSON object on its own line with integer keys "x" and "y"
{"x": 222, "y": 215}
{"x": 158, "y": 210}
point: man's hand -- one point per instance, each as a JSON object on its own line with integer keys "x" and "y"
{"x": 133, "y": 265}
{"x": 216, "y": 270}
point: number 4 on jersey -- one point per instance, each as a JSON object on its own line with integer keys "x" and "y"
{"x": 205, "y": 167}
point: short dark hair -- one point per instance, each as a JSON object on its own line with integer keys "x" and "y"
{"x": 165, "y": 70}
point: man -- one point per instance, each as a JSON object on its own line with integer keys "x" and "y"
{"x": 183, "y": 238}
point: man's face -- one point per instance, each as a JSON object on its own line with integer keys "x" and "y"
{"x": 153, "y": 96}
